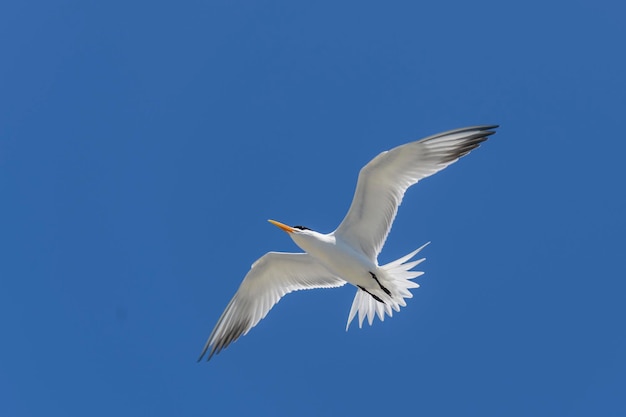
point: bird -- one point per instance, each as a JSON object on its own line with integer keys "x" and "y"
{"x": 349, "y": 254}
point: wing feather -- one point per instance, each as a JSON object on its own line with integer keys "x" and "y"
{"x": 270, "y": 278}
{"x": 384, "y": 180}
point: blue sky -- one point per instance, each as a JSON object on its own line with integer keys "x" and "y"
{"x": 143, "y": 146}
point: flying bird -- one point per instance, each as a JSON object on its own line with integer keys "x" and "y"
{"x": 349, "y": 254}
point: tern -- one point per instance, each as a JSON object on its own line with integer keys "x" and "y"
{"x": 350, "y": 253}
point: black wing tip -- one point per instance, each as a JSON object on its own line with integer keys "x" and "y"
{"x": 202, "y": 355}
{"x": 213, "y": 351}
{"x": 223, "y": 342}
{"x": 479, "y": 127}
{"x": 470, "y": 142}
{"x": 480, "y": 131}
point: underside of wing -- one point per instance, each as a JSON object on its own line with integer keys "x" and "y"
{"x": 384, "y": 180}
{"x": 271, "y": 277}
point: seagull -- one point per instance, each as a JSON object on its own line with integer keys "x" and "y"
{"x": 350, "y": 253}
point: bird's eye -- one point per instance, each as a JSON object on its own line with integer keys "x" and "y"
{"x": 301, "y": 227}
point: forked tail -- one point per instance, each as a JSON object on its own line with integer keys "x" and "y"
{"x": 397, "y": 280}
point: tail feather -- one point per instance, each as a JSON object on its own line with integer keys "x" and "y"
{"x": 399, "y": 276}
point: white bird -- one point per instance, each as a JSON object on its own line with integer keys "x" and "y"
{"x": 349, "y": 254}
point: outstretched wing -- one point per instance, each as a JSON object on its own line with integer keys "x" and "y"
{"x": 271, "y": 276}
{"x": 384, "y": 180}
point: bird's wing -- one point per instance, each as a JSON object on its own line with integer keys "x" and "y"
{"x": 271, "y": 276}
{"x": 384, "y": 180}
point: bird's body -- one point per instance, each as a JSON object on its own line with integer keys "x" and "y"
{"x": 339, "y": 258}
{"x": 350, "y": 253}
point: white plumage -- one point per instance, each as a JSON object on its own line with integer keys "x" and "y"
{"x": 349, "y": 254}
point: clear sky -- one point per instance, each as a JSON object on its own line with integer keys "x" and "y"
{"x": 143, "y": 146}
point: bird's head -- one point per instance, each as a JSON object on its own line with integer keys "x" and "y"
{"x": 299, "y": 234}
{"x": 289, "y": 229}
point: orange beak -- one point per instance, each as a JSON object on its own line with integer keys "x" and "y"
{"x": 286, "y": 228}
